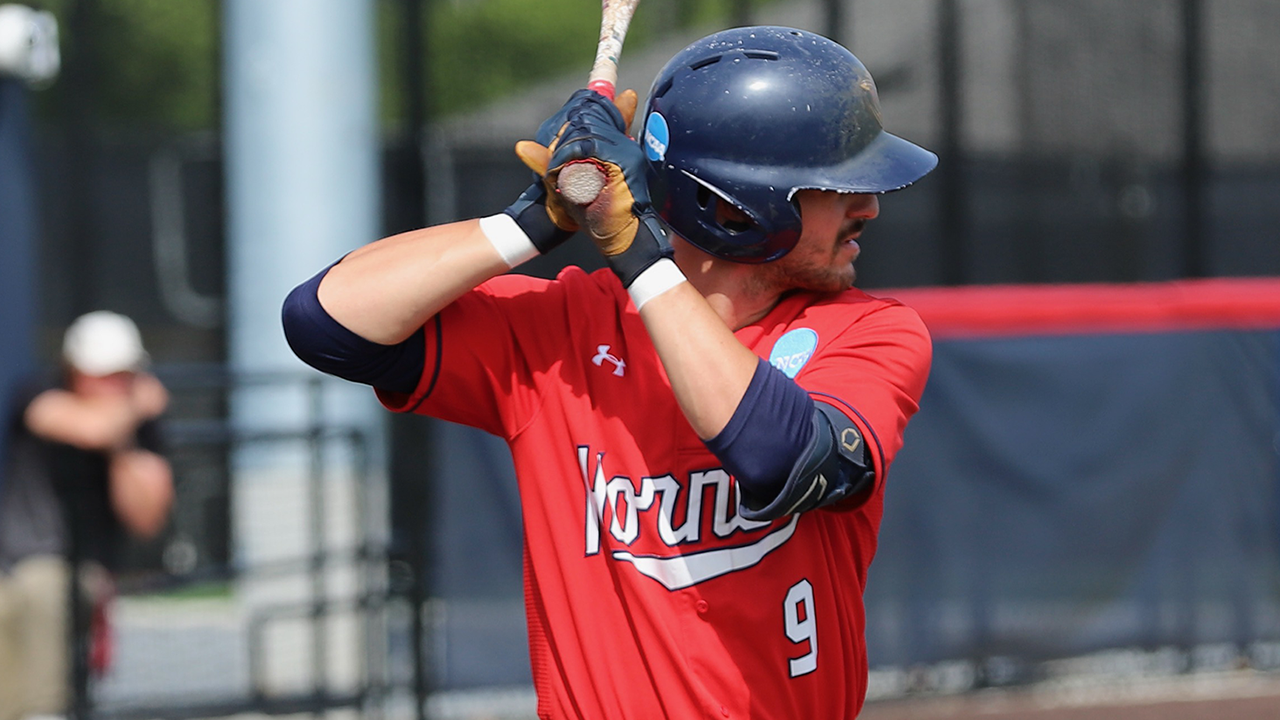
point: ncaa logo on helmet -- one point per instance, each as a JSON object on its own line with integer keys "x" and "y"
{"x": 656, "y": 137}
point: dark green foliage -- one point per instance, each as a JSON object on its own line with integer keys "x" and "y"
{"x": 141, "y": 63}
{"x": 153, "y": 64}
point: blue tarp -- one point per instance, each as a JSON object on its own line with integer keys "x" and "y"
{"x": 1061, "y": 495}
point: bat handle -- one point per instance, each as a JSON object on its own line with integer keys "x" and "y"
{"x": 603, "y": 87}
{"x": 581, "y": 182}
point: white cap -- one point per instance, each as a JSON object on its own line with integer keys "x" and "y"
{"x": 29, "y": 44}
{"x": 102, "y": 342}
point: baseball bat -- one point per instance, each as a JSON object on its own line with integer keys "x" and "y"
{"x": 581, "y": 182}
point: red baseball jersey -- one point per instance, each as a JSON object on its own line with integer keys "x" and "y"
{"x": 647, "y": 594}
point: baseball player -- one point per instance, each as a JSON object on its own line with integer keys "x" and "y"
{"x": 702, "y": 431}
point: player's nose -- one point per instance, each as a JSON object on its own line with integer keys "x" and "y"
{"x": 862, "y": 206}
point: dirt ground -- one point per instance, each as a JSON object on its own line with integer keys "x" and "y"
{"x": 1229, "y": 696}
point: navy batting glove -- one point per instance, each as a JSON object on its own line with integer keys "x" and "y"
{"x": 546, "y": 229}
{"x": 550, "y": 129}
{"x": 621, "y": 220}
{"x": 530, "y": 213}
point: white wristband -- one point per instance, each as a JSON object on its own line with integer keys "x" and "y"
{"x": 655, "y": 280}
{"x": 508, "y": 239}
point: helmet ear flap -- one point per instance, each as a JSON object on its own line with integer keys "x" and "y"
{"x": 704, "y": 197}
{"x": 723, "y": 215}
{"x": 728, "y": 217}
{"x": 712, "y": 214}
{"x": 722, "y": 225}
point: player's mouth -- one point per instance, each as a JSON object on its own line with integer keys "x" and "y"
{"x": 849, "y": 236}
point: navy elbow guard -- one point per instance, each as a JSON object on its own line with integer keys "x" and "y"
{"x": 835, "y": 465}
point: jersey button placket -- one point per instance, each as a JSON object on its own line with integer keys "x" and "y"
{"x": 702, "y": 606}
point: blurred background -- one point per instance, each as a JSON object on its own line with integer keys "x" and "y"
{"x": 1078, "y": 505}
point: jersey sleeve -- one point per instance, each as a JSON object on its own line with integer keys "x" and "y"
{"x": 485, "y": 353}
{"x": 875, "y": 372}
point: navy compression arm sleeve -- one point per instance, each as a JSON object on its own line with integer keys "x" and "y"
{"x": 324, "y": 344}
{"x": 767, "y": 434}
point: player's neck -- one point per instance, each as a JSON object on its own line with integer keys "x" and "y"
{"x": 730, "y": 288}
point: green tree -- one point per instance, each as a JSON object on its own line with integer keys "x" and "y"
{"x": 154, "y": 64}
{"x": 137, "y": 63}
{"x": 481, "y": 50}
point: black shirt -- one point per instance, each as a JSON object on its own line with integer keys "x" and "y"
{"x": 54, "y": 498}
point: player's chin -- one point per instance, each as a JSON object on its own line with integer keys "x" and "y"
{"x": 832, "y": 279}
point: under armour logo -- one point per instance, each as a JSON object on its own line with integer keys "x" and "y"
{"x": 602, "y": 354}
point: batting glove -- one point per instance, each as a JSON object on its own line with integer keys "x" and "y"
{"x": 534, "y": 218}
{"x": 547, "y": 226}
{"x": 537, "y": 154}
{"x": 621, "y": 220}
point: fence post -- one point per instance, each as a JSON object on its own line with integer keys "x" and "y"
{"x": 834, "y": 12}
{"x": 411, "y": 180}
{"x": 954, "y": 213}
{"x": 1194, "y": 167}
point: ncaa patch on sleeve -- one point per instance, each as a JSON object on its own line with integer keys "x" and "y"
{"x": 793, "y": 350}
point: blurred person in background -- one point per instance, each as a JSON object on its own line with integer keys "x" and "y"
{"x": 84, "y": 470}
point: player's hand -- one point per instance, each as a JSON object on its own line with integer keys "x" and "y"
{"x": 148, "y": 396}
{"x": 546, "y": 225}
{"x": 537, "y": 154}
{"x": 621, "y": 220}
{"x": 531, "y": 213}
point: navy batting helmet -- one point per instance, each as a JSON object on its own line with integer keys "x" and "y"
{"x": 750, "y": 116}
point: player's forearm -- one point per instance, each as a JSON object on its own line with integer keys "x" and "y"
{"x": 386, "y": 290}
{"x": 98, "y": 423}
{"x": 708, "y": 368}
{"x": 141, "y": 491}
